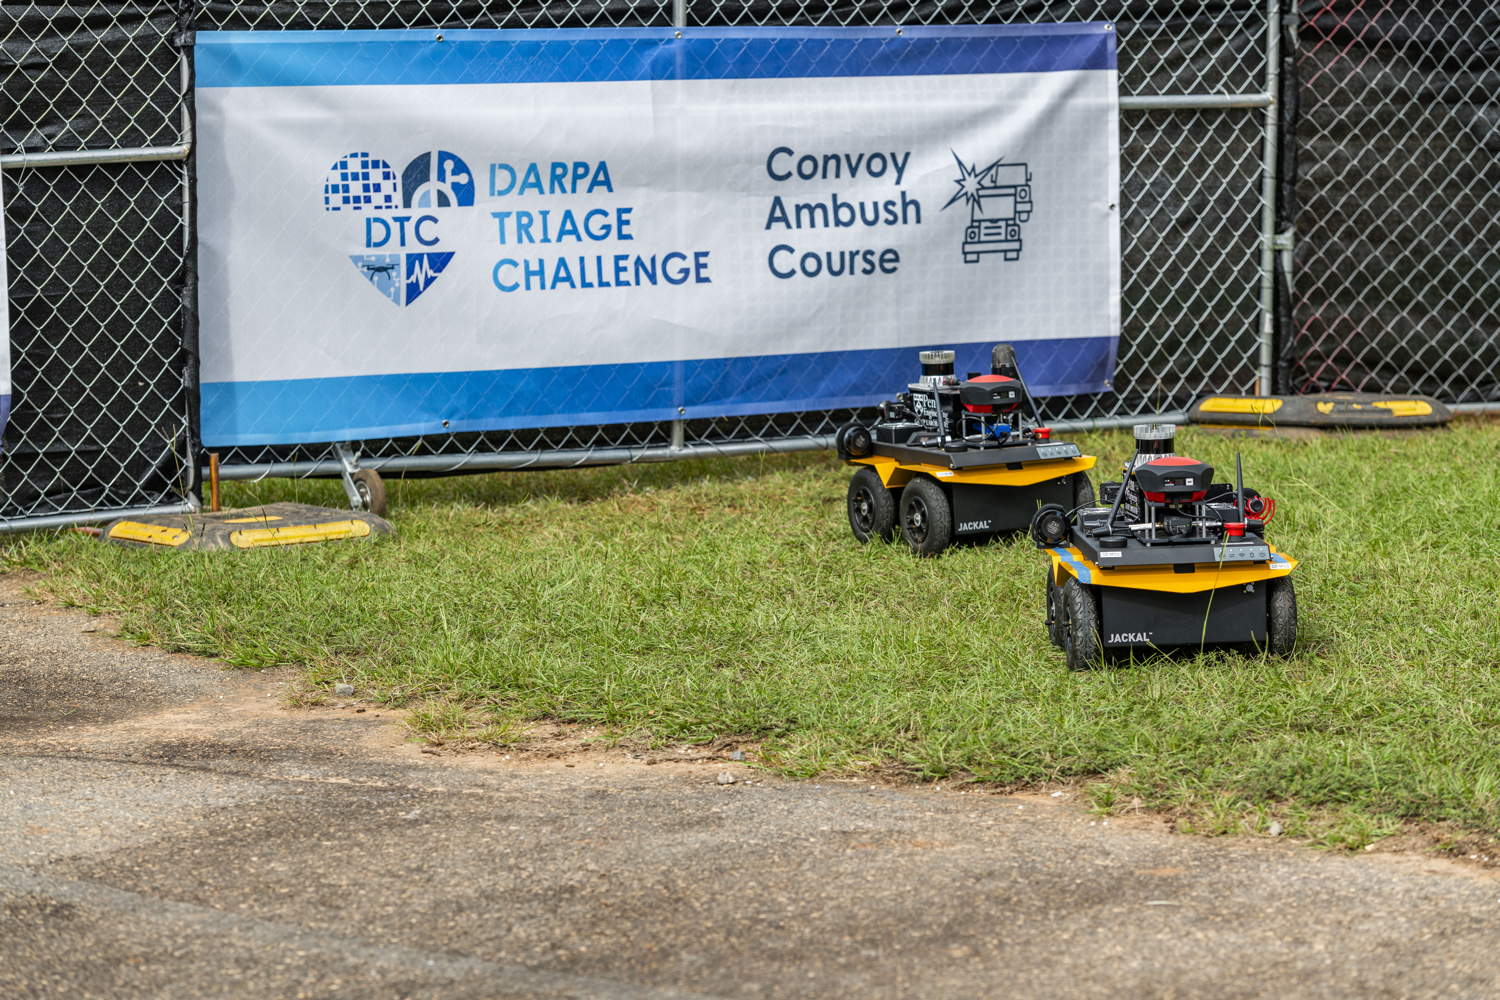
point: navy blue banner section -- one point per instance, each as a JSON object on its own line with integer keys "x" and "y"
{"x": 298, "y": 411}
{"x": 381, "y": 58}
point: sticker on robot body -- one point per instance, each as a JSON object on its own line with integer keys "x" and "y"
{"x": 929, "y": 414}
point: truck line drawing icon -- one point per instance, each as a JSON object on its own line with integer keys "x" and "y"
{"x": 999, "y": 200}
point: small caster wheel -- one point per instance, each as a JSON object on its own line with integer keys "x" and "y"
{"x": 371, "y": 490}
{"x": 926, "y": 517}
{"x": 872, "y": 509}
{"x": 1083, "y": 645}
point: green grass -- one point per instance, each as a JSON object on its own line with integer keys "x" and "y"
{"x": 726, "y": 598}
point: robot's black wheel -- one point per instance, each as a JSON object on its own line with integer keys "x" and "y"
{"x": 1057, "y": 628}
{"x": 1083, "y": 645}
{"x": 1281, "y": 616}
{"x": 926, "y": 517}
{"x": 872, "y": 509}
{"x": 1083, "y": 490}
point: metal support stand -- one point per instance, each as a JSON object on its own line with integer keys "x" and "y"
{"x": 364, "y": 487}
{"x": 349, "y": 468}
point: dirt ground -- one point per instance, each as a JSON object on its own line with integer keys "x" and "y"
{"x": 169, "y": 828}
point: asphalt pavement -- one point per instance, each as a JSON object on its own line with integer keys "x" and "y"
{"x": 169, "y": 829}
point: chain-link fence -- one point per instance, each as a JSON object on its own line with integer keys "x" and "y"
{"x": 93, "y": 141}
{"x": 1193, "y": 81}
{"x": 1398, "y": 243}
{"x": 103, "y": 347}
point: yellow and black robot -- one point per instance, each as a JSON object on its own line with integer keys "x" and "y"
{"x": 1175, "y": 561}
{"x": 953, "y": 459}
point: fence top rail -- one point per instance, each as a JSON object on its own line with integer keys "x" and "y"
{"x": 90, "y": 157}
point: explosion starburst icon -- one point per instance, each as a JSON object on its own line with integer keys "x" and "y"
{"x": 968, "y": 181}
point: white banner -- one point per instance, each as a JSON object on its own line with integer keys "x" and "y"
{"x": 400, "y": 235}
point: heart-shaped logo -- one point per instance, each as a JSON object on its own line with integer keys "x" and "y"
{"x": 401, "y": 235}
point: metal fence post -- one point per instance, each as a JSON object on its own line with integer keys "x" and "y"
{"x": 1265, "y": 378}
{"x": 679, "y": 426}
{"x": 192, "y": 483}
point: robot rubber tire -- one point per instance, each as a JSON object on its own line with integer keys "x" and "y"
{"x": 926, "y": 517}
{"x": 1083, "y": 491}
{"x": 872, "y": 509}
{"x": 1084, "y": 646}
{"x": 1057, "y": 629}
{"x": 1281, "y": 616}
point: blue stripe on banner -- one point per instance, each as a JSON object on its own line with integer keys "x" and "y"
{"x": 372, "y": 58}
{"x": 4, "y": 410}
{"x": 299, "y": 411}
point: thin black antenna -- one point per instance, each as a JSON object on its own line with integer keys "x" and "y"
{"x": 1114, "y": 508}
{"x": 1239, "y": 487}
{"x": 1004, "y": 356}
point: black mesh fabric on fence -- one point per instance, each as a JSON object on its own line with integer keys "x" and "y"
{"x": 1398, "y": 245}
{"x": 100, "y": 413}
{"x": 95, "y": 259}
{"x": 88, "y": 76}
